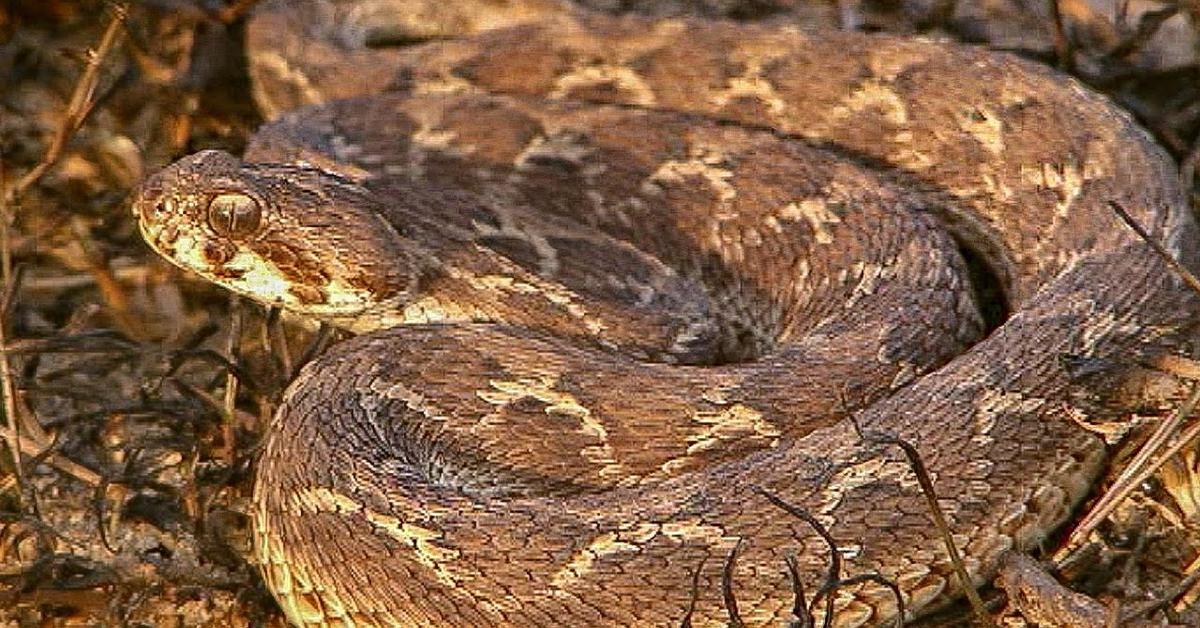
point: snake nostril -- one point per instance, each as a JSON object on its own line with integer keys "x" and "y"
{"x": 152, "y": 211}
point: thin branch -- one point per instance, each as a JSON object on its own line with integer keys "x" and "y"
{"x": 735, "y": 619}
{"x": 939, "y": 519}
{"x": 834, "y": 575}
{"x": 686, "y": 622}
{"x": 7, "y": 387}
{"x": 229, "y": 407}
{"x": 1063, "y": 49}
{"x": 80, "y": 105}
{"x": 1150, "y": 457}
{"x": 106, "y": 283}
{"x": 1166, "y": 256}
{"x": 833, "y": 580}
{"x": 62, "y": 463}
{"x": 799, "y": 603}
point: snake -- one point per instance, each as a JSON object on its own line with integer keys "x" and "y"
{"x": 631, "y": 301}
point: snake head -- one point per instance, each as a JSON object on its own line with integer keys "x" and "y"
{"x": 290, "y": 236}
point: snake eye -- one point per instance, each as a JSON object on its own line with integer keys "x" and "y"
{"x": 234, "y": 215}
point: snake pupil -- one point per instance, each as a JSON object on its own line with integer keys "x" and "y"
{"x": 234, "y": 215}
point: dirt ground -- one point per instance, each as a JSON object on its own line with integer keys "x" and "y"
{"x": 136, "y": 395}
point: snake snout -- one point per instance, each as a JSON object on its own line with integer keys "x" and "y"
{"x": 293, "y": 236}
{"x": 163, "y": 197}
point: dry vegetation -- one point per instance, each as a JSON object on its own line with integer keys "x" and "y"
{"x": 136, "y": 395}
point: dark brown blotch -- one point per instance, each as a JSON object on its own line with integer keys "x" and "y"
{"x": 516, "y": 72}
{"x": 519, "y": 250}
{"x": 496, "y": 132}
{"x": 747, "y": 108}
{"x": 601, "y": 91}
{"x": 296, "y": 265}
{"x": 224, "y": 272}
{"x": 217, "y": 253}
{"x": 527, "y": 405}
{"x": 672, "y": 67}
{"x": 308, "y": 295}
{"x": 382, "y": 283}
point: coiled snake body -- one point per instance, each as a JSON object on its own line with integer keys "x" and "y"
{"x": 617, "y": 279}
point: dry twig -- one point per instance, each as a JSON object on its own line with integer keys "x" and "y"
{"x": 80, "y": 105}
{"x": 1149, "y": 459}
{"x": 12, "y": 431}
{"x": 939, "y": 519}
{"x": 1184, "y": 274}
{"x": 1063, "y": 49}
{"x": 1159, "y": 447}
{"x": 229, "y": 405}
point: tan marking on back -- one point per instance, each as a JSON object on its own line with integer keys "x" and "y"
{"x": 439, "y": 140}
{"x": 503, "y": 283}
{"x": 433, "y": 310}
{"x": 603, "y": 544}
{"x": 619, "y": 76}
{"x": 816, "y": 213}
{"x": 751, "y": 84}
{"x": 889, "y": 66}
{"x": 1065, "y": 179}
{"x": 987, "y": 128}
{"x": 735, "y": 422}
{"x": 994, "y": 404}
{"x": 861, "y": 474}
{"x": 868, "y": 275}
{"x": 296, "y": 78}
{"x": 563, "y": 404}
{"x": 422, "y": 541}
{"x": 694, "y": 530}
{"x": 703, "y": 164}
{"x": 443, "y": 84}
{"x": 874, "y": 94}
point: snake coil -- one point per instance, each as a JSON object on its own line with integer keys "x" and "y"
{"x": 614, "y": 277}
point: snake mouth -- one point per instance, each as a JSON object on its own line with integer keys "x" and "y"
{"x": 259, "y": 275}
